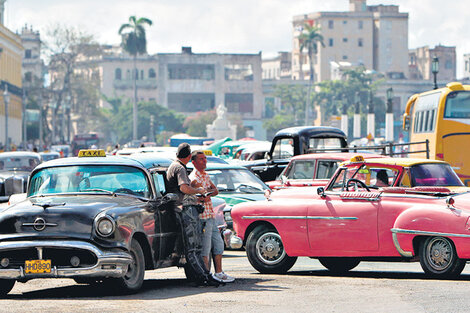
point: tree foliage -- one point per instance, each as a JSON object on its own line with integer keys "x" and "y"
{"x": 134, "y": 39}
{"x": 118, "y": 124}
{"x": 196, "y": 125}
{"x": 309, "y": 39}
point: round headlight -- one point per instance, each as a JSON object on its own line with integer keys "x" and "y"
{"x": 105, "y": 227}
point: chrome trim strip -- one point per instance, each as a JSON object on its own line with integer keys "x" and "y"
{"x": 118, "y": 259}
{"x": 402, "y": 252}
{"x": 427, "y": 233}
{"x": 300, "y": 217}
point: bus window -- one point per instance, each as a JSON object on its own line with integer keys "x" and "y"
{"x": 457, "y": 105}
{"x": 431, "y": 121}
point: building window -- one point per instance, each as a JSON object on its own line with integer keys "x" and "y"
{"x": 330, "y": 42}
{"x": 27, "y": 54}
{"x": 448, "y": 64}
{"x": 345, "y": 39}
{"x": 359, "y": 42}
{"x": 239, "y": 102}
{"x": 152, "y": 73}
{"x": 331, "y": 24}
{"x": 142, "y": 74}
{"x": 241, "y": 72}
{"x": 118, "y": 74}
{"x": 191, "y": 71}
{"x": 28, "y": 77}
{"x": 191, "y": 102}
{"x": 466, "y": 65}
{"x": 360, "y": 24}
{"x": 345, "y": 57}
{"x": 345, "y": 22}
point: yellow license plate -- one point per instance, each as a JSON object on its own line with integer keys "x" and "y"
{"x": 37, "y": 266}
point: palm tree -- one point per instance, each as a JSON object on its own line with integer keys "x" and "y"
{"x": 134, "y": 42}
{"x": 309, "y": 39}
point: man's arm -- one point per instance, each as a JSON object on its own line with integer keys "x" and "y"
{"x": 186, "y": 189}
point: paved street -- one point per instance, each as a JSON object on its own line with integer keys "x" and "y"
{"x": 308, "y": 287}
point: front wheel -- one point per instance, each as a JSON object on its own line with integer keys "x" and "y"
{"x": 438, "y": 257}
{"x": 265, "y": 251}
{"x": 134, "y": 278}
{"x": 339, "y": 265}
{"x": 6, "y": 285}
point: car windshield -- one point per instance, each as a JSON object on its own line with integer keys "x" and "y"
{"x": 375, "y": 176}
{"x": 236, "y": 180}
{"x": 90, "y": 179}
{"x": 434, "y": 174}
{"x": 18, "y": 163}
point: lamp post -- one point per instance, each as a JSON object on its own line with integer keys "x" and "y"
{"x": 68, "y": 106}
{"x": 6, "y": 100}
{"x": 389, "y": 116}
{"x": 371, "y": 116}
{"x": 435, "y": 69}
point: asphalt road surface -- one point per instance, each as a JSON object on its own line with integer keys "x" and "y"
{"x": 308, "y": 287}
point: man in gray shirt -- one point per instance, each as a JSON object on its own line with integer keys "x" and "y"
{"x": 188, "y": 217}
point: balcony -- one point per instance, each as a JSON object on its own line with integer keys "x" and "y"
{"x": 141, "y": 83}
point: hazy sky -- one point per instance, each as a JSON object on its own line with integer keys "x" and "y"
{"x": 228, "y": 26}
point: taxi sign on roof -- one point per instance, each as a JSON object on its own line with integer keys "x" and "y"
{"x": 207, "y": 152}
{"x": 357, "y": 158}
{"x": 91, "y": 153}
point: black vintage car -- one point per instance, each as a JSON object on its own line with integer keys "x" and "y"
{"x": 93, "y": 219}
{"x": 293, "y": 141}
{"x": 15, "y": 168}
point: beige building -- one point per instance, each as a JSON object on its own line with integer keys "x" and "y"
{"x": 374, "y": 36}
{"x": 420, "y": 61}
{"x": 11, "y": 53}
{"x": 279, "y": 67}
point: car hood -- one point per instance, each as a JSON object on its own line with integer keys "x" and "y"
{"x": 235, "y": 198}
{"x": 65, "y": 216}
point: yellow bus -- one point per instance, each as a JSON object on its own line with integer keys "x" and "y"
{"x": 442, "y": 116}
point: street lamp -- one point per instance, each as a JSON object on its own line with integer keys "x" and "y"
{"x": 435, "y": 69}
{"x": 6, "y": 100}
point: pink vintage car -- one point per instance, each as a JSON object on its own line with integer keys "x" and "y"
{"x": 356, "y": 217}
{"x": 313, "y": 169}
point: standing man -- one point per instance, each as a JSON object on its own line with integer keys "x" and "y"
{"x": 211, "y": 238}
{"x": 187, "y": 215}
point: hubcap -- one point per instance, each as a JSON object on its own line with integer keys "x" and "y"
{"x": 439, "y": 253}
{"x": 269, "y": 248}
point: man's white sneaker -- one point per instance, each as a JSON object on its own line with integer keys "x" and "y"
{"x": 222, "y": 277}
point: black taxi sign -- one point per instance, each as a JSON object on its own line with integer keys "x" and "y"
{"x": 91, "y": 153}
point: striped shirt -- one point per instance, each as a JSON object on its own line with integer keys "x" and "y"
{"x": 205, "y": 181}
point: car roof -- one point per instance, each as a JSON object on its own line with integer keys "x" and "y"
{"x": 20, "y": 153}
{"x": 311, "y": 131}
{"x": 150, "y": 159}
{"x": 221, "y": 166}
{"x": 406, "y": 162}
{"x": 107, "y": 160}
{"x": 341, "y": 156}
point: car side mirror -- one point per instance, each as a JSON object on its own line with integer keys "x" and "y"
{"x": 283, "y": 179}
{"x": 159, "y": 202}
{"x": 321, "y": 192}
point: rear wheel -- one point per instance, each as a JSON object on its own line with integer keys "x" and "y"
{"x": 265, "y": 251}
{"x": 6, "y": 285}
{"x": 438, "y": 257}
{"x": 339, "y": 265}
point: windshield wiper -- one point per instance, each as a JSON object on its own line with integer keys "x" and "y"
{"x": 99, "y": 190}
{"x": 225, "y": 189}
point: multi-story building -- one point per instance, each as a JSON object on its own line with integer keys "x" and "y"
{"x": 11, "y": 53}
{"x": 374, "y": 36}
{"x": 466, "y": 65}
{"x": 279, "y": 67}
{"x": 32, "y": 65}
{"x": 420, "y": 60}
{"x": 189, "y": 82}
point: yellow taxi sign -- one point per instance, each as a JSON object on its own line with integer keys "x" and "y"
{"x": 357, "y": 158}
{"x": 91, "y": 153}
{"x": 207, "y": 152}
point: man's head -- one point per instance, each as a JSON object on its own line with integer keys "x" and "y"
{"x": 184, "y": 152}
{"x": 199, "y": 160}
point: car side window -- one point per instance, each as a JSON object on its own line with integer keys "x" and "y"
{"x": 301, "y": 169}
{"x": 326, "y": 169}
{"x": 406, "y": 180}
{"x": 159, "y": 181}
{"x": 284, "y": 148}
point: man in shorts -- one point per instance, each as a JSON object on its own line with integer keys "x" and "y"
{"x": 211, "y": 239}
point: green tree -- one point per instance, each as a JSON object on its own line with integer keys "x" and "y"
{"x": 118, "y": 126}
{"x": 196, "y": 125}
{"x": 134, "y": 41}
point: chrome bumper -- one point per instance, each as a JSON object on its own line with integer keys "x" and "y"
{"x": 232, "y": 241}
{"x": 109, "y": 263}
